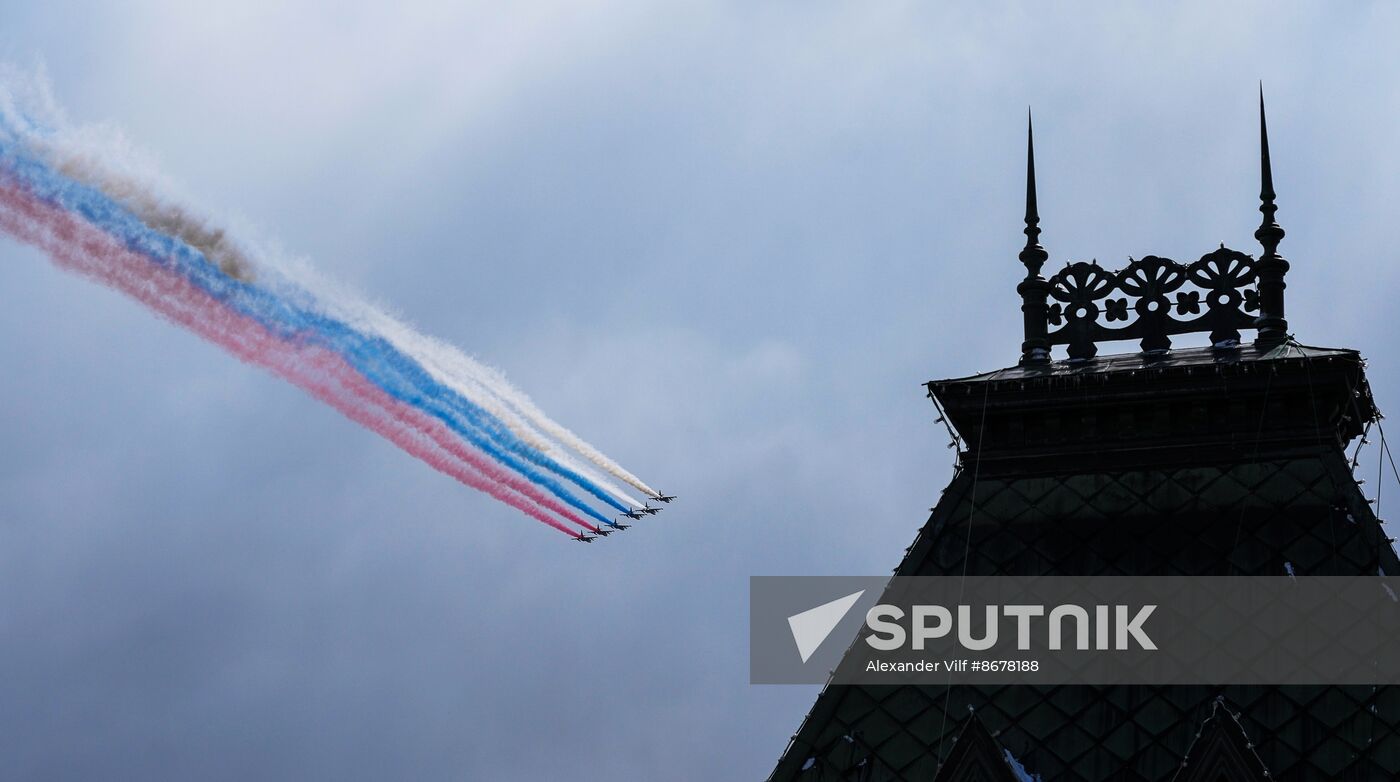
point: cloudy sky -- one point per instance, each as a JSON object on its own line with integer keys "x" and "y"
{"x": 726, "y": 243}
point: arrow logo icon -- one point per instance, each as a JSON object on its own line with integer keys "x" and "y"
{"x": 811, "y": 627}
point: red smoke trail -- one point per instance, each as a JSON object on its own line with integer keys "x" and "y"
{"x": 78, "y": 246}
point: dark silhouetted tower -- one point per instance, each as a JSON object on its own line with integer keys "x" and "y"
{"x": 1227, "y": 459}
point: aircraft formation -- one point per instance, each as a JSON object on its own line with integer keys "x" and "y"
{"x": 608, "y": 528}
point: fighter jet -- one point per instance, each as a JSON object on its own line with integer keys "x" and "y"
{"x": 585, "y": 538}
{"x": 633, "y": 513}
{"x": 602, "y": 532}
{"x": 665, "y": 497}
{"x": 622, "y": 526}
{"x": 649, "y": 510}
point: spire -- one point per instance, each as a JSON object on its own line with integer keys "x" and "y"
{"x": 1266, "y": 169}
{"x": 1033, "y": 289}
{"x": 1032, "y": 215}
{"x": 1271, "y": 267}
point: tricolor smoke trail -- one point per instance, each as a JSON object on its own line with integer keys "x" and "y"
{"x": 431, "y": 400}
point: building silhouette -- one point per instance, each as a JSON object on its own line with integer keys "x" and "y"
{"x": 1230, "y": 459}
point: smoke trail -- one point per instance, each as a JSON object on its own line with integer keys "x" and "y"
{"x": 463, "y": 379}
{"x": 211, "y": 242}
{"x": 215, "y": 247}
{"x": 86, "y": 250}
{"x": 426, "y": 396}
{"x": 290, "y": 315}
{"x": 465, "y": 382}
{"x": 453, "y": 366}
{"x": 527, "y": 408}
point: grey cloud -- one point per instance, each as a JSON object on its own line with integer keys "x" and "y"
{"x": 725, "y": 244}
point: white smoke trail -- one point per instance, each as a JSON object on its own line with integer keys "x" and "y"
{"x": 530, "y": 412}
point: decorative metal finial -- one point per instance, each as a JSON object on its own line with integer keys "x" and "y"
{"x": 1266, "y": 169}
{"x": 1034, "y": 289}
{"x": 1154, "y": 298}
{"x": 1271, "y": 267}
{"x": 1032, "y": 213}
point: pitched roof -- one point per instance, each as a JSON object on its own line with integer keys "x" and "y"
{"x": 1283, "y": 499}
{"x": 977, "y": 757}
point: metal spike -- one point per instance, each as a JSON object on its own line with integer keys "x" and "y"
{"x": 1032, "y": 212}
{"x": 1035, "y": 349}
{"x": 1271, "y": 267}
{"x": 1266, "y": 169}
